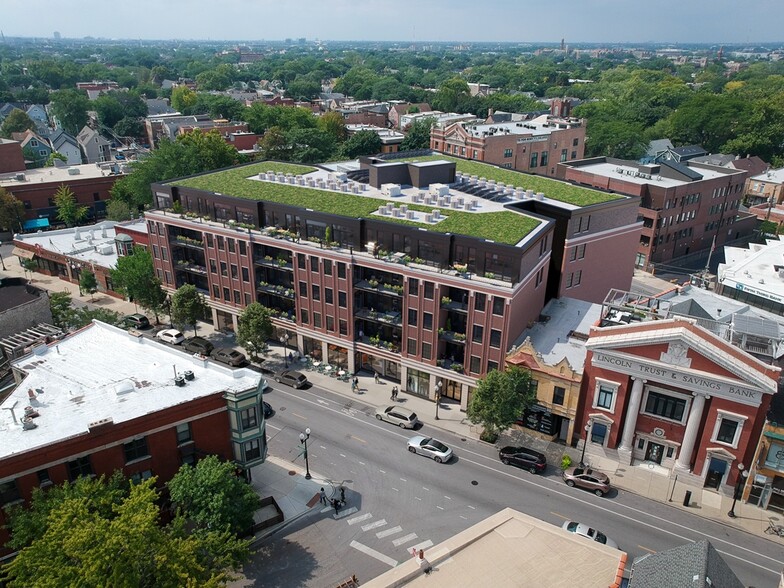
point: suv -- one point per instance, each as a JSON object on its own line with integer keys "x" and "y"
{"x": 228, "y": 356}
{"x": 397, "y": 415}
{"x": 198, "y": 345}
{"x": 525, "y": 458}
{"x": 292, "y": 378}
{"x": 137, "y": 321}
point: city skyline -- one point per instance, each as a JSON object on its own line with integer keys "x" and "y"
{"x": 598, "y": 21}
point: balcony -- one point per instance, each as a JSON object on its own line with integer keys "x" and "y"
{"x": 187, "y": 242}
{"x": 388, "y": 317}
{"x": 193, "y": 268}
{"x": 452, "y": 337}
{"x": 448, "y": 304}
{"x": 274, "y": 263}
{"x": 376, "y": 286}
{"x": 275, "y": 289}
{"x": 380, "y": 343}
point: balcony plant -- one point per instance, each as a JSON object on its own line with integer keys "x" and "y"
{"x": 375, "y": 340}
{"x": 373, "y": 283}
{"x": 458, "y": 367}
{"x": 282, "y": 261}
{"x": 459, "y": 336}
{"x": 446, "y": 300}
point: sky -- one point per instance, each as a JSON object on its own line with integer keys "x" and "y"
{"x": 590, "y": 21}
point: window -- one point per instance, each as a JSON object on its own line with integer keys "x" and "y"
{"x": 252, "y": 449}
{"x": 478, "y": 333}
{"x": 232, "y": 248}
{"x": 79, "y": 467}
{"x": 341, "y": 270}
{"x": 249, "y": 418}
{"x": 329, "y": 296}
{"x": 475, "y": 365}
{"x": 574, "y": 154}
{"x": 507, "y": 153}
{"x": 301, "y": 261}
{"x": 412, "y": 347}
{"x": 184, "y": 434}
{"x": 314, "y": 264}
{"x": 343, "y": 326}
{"x": 413, "y": 315}
{"x": 167, "y": 277}
{"x": 728, "y": 428}
{"x": 303, "y": 289}
{"x": 237, "y": 298}
{"x": 492, "y": 365}
{"x": 330, "y": 322}
{"x": 564, "y": 154}
{"x": 577, "y": 252}
{"x": 413, "y": 286}
{"x": 234, "y": 273}
{"x": 226, "y": 294}
{"x": 136, "y": 449}
{"x": 164, "y": 254}
{"x": 427, "y": 321}
{"x": 245, "y": 275}
{"x": 155, "y": 252}
{"x": 247, "y": 299}
{"x": 498, "y": 306}
{"x": 215, "y": 291}
{"x": 427, "y": 350}
{"x": 543, "y": 162}
{"x": 138, "y": 477}
{"x": 479, "y": 302}
{"x": 213, "y": 266}
{"x": 316, "y": 290}
{"x": 429, "y": 290}
{"x": 598, "y": 433}
{"x": 534, "y": 159}
{"x": 665, "y": 406}
{"x": 495, "y": 338}
{"x": 539, "y": 277}
{"x": 327, "y": 265}
{"x": 316, "y": 320}
{"x": 243, "y": 248}
{"x": 604, "y": 396}
{"x": 209, "y": 240}
{"x": 9, "y": 492}
{"x": 220, "y": 242}
{"x": 559, "y": 394}
{"x": 342, "y": 303}
{"x": 224, "y": 268}
{"x": 303, "y": 315}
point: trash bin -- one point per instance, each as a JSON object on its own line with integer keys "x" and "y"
{"x": 687, "y": 498}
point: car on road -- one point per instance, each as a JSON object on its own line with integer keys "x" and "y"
{"x": 198, "y": 345}
{"x": 137, "y": 321}
{"x": 292, "y": 378}
{"x": 430, "y": 447}
{"x": 172, "y": 336}
{"x": 589, "y": 533}
{"x": 525, "y": 458}
{"x": 228, "y": 356}
{"x": 268, "y": 412}
{"x": 596, "y": 482}
{"x": 397, "y": 415}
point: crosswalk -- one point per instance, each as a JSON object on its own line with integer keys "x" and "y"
{"x": 395, "y": 535}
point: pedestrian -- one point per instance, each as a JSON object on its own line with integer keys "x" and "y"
{"x": 336, "y": 504}
{"x": 423, "y": 563}
{"x": 342, "y": 495}
{"x": 291, "y": 356}
{"x": 394, "y": 393}
{"x": 323, "y": 497}
{"x": 375, "y": 376}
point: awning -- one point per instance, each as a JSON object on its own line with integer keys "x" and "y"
{"x": 36, "y": 223}
{"x": 772, "y": 435}
{"x": 24, "y": 253}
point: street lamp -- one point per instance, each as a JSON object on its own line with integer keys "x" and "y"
{"x": 283, "y": 338}
{"x": 582, "y": 456}
{"x": 438, "y": 395}
{"x": 2, "y": 261}
{"x": 742, "y": 475}
{"x": 303, "y": 438}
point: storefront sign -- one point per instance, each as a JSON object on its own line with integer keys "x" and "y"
{"x": 538, "y": 139}
{"x": 751, "y": 290}
{"x": 687, "y": 379}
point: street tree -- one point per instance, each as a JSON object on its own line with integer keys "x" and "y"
{"x": 70, "y": 108}
{"x": 212, "y": 496}
{"x": 361, "y": 143}
{"x": 88, "y": 283}
{"x": 60, "y": 304}
{"x": 11, "y": 211}
{"x": 30, "y": 265}
{"x": 188, "y": 306}
{"x": 118, "y": 210}
{"x": 17, "y": 121}
{"x": 135, "y": 277}
{"x": 68, "y": 209}
{"x": 116, "y": 539}
{"x": 254, "y": 328}
{"x": 183, "y": 99}
{"x": 274, "y": 145}
{"x": 500, "y": 398}
{"x": 55, "y": 155}
{"x": 418, "y": 134}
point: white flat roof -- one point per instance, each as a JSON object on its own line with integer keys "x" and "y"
{"x": 76, "y": 382}
{"x": 535, "y": 127}
{"x": 775, "y": 176}
{"x": 83, "y": 243}
{"x": 627, "y": 174}
{"x": 46, "y": 175}
{"x": 753, "y": 269}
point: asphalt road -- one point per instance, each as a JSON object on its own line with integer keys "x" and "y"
{"x": 404, "y": 500}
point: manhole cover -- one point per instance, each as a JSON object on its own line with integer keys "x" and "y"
{"x": 292, "y": 473}
{"x": 282, "y": 408}
{"x": 474, "y": 483}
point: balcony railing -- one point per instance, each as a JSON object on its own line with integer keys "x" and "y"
{"x": 188, "y": 242}
{"x": 275, "y": 289}
{"x": 273, "y": 263}
{"x": 379, "y": 343}
{"x": 449, "y": 304}
{"x": 376, "y": 286}
{"x": 389, "y": 318}
{"x": 451, "y": 336}
{"x": 192, "y": 268}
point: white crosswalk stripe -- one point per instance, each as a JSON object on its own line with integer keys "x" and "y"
{"x": 388, "y": 532}
{"x": 373, "y": 553}
{"x": 405, "y": 539}
{"x": 359, "y": 519}
{"x": 374, "y": 525}
{"x": 423, "y": 545}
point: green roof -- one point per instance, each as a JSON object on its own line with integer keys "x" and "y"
{"x": 553, "y": 189}
{"x": 502, "y": 227}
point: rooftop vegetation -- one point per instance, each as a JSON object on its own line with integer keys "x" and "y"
{"x": 502, "y": 227}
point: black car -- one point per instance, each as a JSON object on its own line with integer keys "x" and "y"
{"x": 228, "y": 356}
{"x": 198, "y": 345}
{"x": 268, "y": 412}
{"x": 525, "y": 458}
{"x": 137, "y": 321}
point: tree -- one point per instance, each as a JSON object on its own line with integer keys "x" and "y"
{"x": 212, "y": 496}
{"x": 254, "y": 328}
{"x": 361, "y": 143}
{"x": 62, "y": 309}
{"x": 85, "y": 544}
{"x": 333, "y": 123}
{"x": 55, "y": 155}
{"x": 88, "y": 283}
{"x": 70, "y": 107}
{"x": 183, "y": 99}
{"x": 17, "y": 121}
{"x": 129, "y": 127}
{"x": 11, "y": 211}
{"x": 68, "y": 209}
{"x": 310, "y": 145}
{"x": 118, "y": 210}
{"x": 418, "y": 135}
{"x": 450, "y": 94}
{"x": 187, "y": 306}
{"x": 500, "y": 398}
{"x": 30, "y": 265}
{"x": 135, "y": 277}
{"x": 274, "y": 146}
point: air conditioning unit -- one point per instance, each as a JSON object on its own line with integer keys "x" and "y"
{"x": 21, "y": 178}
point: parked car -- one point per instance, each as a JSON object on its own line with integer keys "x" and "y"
{"x": 268, "y": 412}
{"x": 198, "y": 345}
{"x": 292, "y": 378}
{"x": 525, "y": 458}
{"x": 589, "y": 533}
{"x": 137, "y": 321}
{"x": 172, "y": 336}
{"x": 430, "y": 447}
{"x": 228, "y": 356}
{"x": 397, "y": 415}
{"x": 596, "y": 482}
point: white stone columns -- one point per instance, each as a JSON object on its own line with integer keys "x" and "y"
{"x": 632, "y": 410}
{"x": 683, "y": 462}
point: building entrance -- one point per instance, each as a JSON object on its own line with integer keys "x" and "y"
{"x": 654, "y": 452}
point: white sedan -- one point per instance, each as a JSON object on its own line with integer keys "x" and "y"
{"x": 172, "y": 336}
{"x": 589, "y": 533}
{"x": 430, "y": 447}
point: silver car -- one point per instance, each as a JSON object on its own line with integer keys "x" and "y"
{"x": 589, "y": 533}
{"x": 430, "y": 447}
{"x": 397, "y": 415}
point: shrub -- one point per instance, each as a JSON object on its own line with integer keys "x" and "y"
{"x": 566, "y": 461}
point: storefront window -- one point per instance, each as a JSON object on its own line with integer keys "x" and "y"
{"x": 312, "y": 347}
{"x": 598, "y": 433}
{"x": 418, "y": 382}
{"x": 338, "y": 356}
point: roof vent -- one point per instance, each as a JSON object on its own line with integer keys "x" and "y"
{"x": 123, "y": 387}
{"x": 28, "y": 423}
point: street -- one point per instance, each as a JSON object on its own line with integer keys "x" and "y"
{"x": 397, "y": 500}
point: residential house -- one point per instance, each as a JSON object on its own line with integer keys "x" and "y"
{"x": 35, "y": 149}
{"x": 66, "y": 145}
{"x": 95, "y": 148}
{"x": 766, "y": 188}
{"x": 680, "y": 154}
{"x": 397, "y": 110}
{"x": 390, "y": 139}
{"x": 691, "y": 564}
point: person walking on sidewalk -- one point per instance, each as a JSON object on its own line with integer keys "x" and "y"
{"x": 376, "y": 378}
{"x": 323, "y": 497}
{"x": 394, "y": 392}
{"x": 343, "y": 495}
{"x": 336, "y": 504}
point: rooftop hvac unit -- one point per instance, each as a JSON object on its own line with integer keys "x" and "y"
{"x": 21, "y": 178}
{"x": 73, "y": 171}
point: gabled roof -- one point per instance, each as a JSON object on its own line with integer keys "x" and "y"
{"x": 754, "y": 165}
{"x": 60, "y": 137}
{"x": 87, "y": 134}
{"x": 697, "y": 565}
{"x": 690, "y": 151}
{"x": 658, "y": 146}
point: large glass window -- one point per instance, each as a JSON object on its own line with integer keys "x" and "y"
{"x": 417, "y": 382}
{"x": 9, "y": 492}
{"x": 413, "y": 286}
{"x": 728, "y": 431}
{"x": 479, "y": 302}
{"x": 668, "y": 407}
{"x": 495, "y": 338}
{"x": 184, "y": 433}
{"x": 249, "y": 418}
{"x": 604, "y": 396}
{"x": 80, "y": 467}
{"x": 252, "y": 449}
{"x": 559, "y": 394}
{"x": 136, "y": 449}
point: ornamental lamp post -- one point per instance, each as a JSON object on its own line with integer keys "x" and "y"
{"x": 741, "y": 481}
{"x": 303, "y": 438}
{"x": 585, "y": 442}
{"x": 283, "y": 338}
{"x": 439, "y": 385}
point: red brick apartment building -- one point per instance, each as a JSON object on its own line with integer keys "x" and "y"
{"x": 103, "y": 400}
{"x": 534, "y": 146}
{"x": 686, "y": 207}
{"x": 393, "y": 267}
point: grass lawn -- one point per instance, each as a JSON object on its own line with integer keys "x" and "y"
{"x": 502, "y": 227}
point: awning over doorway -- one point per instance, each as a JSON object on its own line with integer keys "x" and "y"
{"x": 36, "y": 223}
{"x": 23, "y": 253}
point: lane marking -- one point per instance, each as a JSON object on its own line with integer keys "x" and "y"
{"x": 388, "y": 532}
{"x": 400, "y": 540}
{"x": 395, "y": 489}
{"x": 362, "y": 463}
{"x": 560, "y": 516}
{"x": 373, "y": 553}
{"x": 447, "y": 497}
{"x": 374, "y": 525}
{"x": 358, "y": 439}
{"x": 403, "y": 480}
{"x": 423, "y": 545}
{"x": 382, "y": 471}
{"x": 299, "y": 416}
{"x": 322, "y": 447}
{"x": 464, "y": 518}
{"x": 439, "y": 507}
{"x": 417, "y": 498}
{"x": 342, "y": 454}
{"x": 471, "y": 507}
{"x": 647, "y": 548}
{"x": 359, "y": 519}
{"x": 427, "y": 489}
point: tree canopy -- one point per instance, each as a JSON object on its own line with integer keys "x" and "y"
{"x": 70, "y": 107}
{"x": 188, "y": 306}
{"x": 68, "y": 209}
{"x": 254, "y": 328}
{"x": 135, "y": 277}
{"x": 17, "y": 121}
{"x": 12, "y": 211}
{"x": 500, "y": 398}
